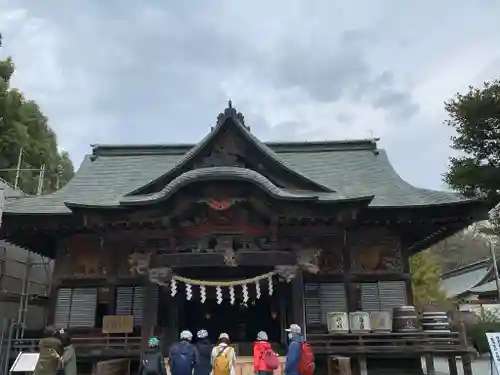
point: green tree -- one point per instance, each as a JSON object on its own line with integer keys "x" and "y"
{"x": 475, "y": 116}
{"x": 426, "y": 274}
{"x": 23, "y": 126}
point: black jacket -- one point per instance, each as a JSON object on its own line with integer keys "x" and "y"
{"x": 203, "y": 366}
{"x": 152, "y": 361}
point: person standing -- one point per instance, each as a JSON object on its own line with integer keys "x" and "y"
{"x": 51, "y": 350}
{"x": 265, "y": 361}
{"x": 223, "y": 358}
{"x": 300, "y": 357}
{"x": 152, "y": 362}
{"x": 69, "y": 356}
{"x": 183, "y": 355}
{"x": 204, "y": 346}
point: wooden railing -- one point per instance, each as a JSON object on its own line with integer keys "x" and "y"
{"x": 348, "y": 344}
{"x": 98, "y": 346}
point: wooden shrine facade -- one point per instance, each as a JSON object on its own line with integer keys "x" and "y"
{"x": 332, "y": 221}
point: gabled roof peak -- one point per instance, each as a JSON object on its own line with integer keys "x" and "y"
{"x": 231, "y": 113}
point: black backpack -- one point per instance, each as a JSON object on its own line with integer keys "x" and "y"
{"x": 151, "y": 364}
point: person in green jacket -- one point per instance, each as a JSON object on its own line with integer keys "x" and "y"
{"x": 51, "y": 351}
{"x": 68, "y": 358}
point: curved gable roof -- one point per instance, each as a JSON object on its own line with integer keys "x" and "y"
{"x": 230, "y": 117}
{"x": 342, "y": 168}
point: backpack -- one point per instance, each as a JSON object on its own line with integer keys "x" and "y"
{"x": 221, "y": 361}
{"x": 271, "y": 360}
{"x": 182, "y": 359}
{"x": 149, "y": 364}
{"x": 306, "y": 365}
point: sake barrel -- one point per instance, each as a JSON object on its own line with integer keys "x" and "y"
{"x": 337, "y": 322}
{"x": 435, "y": 321}
{"x": 381, "y": 321}
{"x": 359, "y": 322}
{"x": 405, "y": 319}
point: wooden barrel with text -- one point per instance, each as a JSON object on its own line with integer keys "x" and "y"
{"x": 435, "y": 321}
{"x": 337, "y": 322}
{"x": 405, "y": 319}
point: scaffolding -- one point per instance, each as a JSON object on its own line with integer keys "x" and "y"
{"x": 14, "y": 328}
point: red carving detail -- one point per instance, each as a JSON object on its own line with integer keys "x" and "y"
{"x": 221, "y": 205}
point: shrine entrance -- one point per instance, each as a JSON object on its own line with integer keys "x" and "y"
{"x": 226, "y": 309}
{"x": 240, "y": 321}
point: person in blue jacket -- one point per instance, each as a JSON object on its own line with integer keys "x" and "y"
{"x": 183, "y": 356}
{"x": 294, "y": 349}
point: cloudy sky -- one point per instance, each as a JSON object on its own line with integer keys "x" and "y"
{"x": 155, "y": 71}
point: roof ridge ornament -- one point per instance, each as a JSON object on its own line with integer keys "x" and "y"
{"x": 230, "y": 112}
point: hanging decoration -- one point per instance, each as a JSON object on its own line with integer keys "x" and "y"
{"x": 257, "y": 290}
{"x": 189, "y": 292}
{"x": 219, "y": 294}
{"x": 231, "y": 295}
{"x": 173, "y": 287}
{"x": 164, "y": 276}
{"x": 221, "y": 285}
{"x": 244, "y": 291}
{"x": 270, "y": 285}
{"x": 203, "y": 294}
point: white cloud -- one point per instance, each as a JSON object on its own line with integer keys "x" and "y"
{"x": 103, "y": 72}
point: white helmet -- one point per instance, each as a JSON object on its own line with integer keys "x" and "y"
{"x": 186, "y": 335}
{"x": 262, "y": 336}
{"x": 202, "y": 333}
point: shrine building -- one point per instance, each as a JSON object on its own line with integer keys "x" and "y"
{"x": 231, "y": 235}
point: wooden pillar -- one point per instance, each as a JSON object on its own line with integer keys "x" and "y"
{"x": 298, "y": 301}
{"x": 112, "y": 269}
{"x": 467, "y": 364}
{"x": 452, "y": 365}
{"x": 150, "y": 311}
{"x": 406, "y": 269}
{"x": 429, "y": 364}
{"x": 150, "y": 314}
{"x": 346, "y": 256}
{"x": 55, "y": 281}
{"x": 466, "y": 358}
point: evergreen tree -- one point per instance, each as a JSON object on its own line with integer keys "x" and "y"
{"x": 23, "y": 126}
{"x": 475, "y": 116}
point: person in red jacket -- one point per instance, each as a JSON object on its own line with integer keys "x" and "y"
{"x": 260, "y": 348}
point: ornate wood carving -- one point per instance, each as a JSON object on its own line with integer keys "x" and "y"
{"x": 331, "y": 261}
{"x": 228, "y": 150}
{"x": 375, "y": 249}
{"x": 82, "y": 256}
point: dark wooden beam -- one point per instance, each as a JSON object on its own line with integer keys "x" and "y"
{"x": 243, "y": 258}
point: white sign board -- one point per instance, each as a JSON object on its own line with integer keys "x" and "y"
{"x": 494, "y": 344}
{"x": 25, "y": 362}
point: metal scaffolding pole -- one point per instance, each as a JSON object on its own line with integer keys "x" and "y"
{"x": 24, "y": 299}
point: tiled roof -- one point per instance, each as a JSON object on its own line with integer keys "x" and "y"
{"x": 475, "y": 277}
{"x": 461, "y": 283}
{"x": 339, "y": 170}
{"x": 356, "y": 168}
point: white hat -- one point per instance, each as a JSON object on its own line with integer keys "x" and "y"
{"x": 224, "y": 336}
{"x": 294, "y": 328}
{"x": 202, "y": 333}
{"x": 262, "y": 336}
{"x": 186, "y": 335}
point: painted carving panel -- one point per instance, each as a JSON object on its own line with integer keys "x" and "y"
{"x": 331, "y": 259}
{"x": 375, "y": 250}
{"x": 82, "y": 256}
